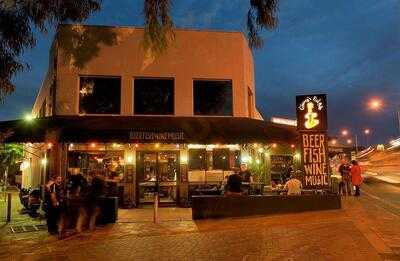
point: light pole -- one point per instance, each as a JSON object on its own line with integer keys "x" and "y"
{"x": 367, "y": 132}
{"x": 349, "y": 141}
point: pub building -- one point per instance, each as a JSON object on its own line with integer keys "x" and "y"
{"x": 184, "y": 119}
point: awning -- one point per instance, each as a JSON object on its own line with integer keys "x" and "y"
{"x": 167, "y": 129}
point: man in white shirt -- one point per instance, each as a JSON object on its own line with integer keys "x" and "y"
{"x": 293, "y": 186}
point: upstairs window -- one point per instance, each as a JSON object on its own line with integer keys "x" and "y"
{"x": 212, "y": 98}
{"x": 100, "y": 95}
{"x": 154, "y": 96}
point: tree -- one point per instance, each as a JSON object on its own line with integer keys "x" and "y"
{"x": 19, "y": 17}
{"x": 11, "y": 156}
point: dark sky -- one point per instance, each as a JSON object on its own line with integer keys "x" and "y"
{"x": 349, "y": 49}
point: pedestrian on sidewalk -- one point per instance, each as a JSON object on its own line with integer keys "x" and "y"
{"x": 345, "y": 184}
{"x": 96, "y": 194}
{"x": 55, "y": 206}
{"x": 356, "y": 177}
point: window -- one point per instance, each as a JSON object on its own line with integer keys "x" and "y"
{"x": 154, "y": 96}
{"x": 99, "y": 95}
{"x": 221, "y": 159}
{"x": 212, "y": 97}
{"x": 197, "y": 159}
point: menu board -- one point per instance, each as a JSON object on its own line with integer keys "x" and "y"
{"x": 311, "y": 111}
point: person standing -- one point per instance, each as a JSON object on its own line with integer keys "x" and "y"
{"x": 344, "y": 185}
{"x": 55, "y": 206}
{"x": 356, "y": 178}
{"x": 245, "y": 174}
{"x": 247, "y": 179}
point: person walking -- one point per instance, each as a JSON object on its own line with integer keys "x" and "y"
{"x": 96, "y": 192}
{"x": 356, "y": 178}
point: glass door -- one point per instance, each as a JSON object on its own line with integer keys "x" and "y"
{"x": 158, "y": 171}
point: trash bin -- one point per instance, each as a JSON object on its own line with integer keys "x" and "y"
{"x": 109, "y": 210}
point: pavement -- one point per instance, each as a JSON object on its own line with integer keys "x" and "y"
{"x": 362, "y": 230}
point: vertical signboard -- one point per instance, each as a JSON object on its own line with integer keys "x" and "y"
{"x": 311, "y": 111}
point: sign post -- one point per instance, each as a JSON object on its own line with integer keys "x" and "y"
{"x": 311, "y": 111}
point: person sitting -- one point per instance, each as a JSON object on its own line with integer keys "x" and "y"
{"x": 293, "y": 186}
{"x": 234, "y": 185}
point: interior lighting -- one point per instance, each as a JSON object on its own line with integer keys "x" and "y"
{"x": 129, "y": 159}
{"x": 24, "y": 165}
{"x": 49, "y": 145}
{"x": 43, "y": 161}
{"x": 260, "y": 150}
{"x": 184, "y": 159}
{"x": 157, "y": 145}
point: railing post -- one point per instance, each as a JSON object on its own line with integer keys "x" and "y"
{"x": 8, "y": 207}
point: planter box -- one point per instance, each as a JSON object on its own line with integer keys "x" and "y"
{"x": 204, "y": 207}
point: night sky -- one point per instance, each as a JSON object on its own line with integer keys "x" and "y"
{"x": 349, "y": 49}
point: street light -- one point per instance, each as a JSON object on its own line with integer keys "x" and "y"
{"x": 345, "y": 132}
{"x": 375, "y": 104}
{"x": 367, "y": 131}
{"x": 349, "y": 141}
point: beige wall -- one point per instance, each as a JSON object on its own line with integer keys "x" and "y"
{"x": 118, "y": 51}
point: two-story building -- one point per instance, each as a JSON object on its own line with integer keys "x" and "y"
{"x": 183, "y": 119}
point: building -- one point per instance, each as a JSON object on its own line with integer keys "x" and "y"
{"x": 184, "y": 119}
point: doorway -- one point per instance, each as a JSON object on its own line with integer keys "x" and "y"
{"x": 157, "y": 171}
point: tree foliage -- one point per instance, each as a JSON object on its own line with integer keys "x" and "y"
{"x": 19, "y": 18}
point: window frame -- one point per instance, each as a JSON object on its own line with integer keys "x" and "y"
{"x": 228, "y": 153}
{"x": 154, "y": 78}
{"x": 98, "y": 76}
{"x": 204, "y": 163}
{"x": 212, "y": 80}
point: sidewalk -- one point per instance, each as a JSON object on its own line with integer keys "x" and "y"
{"x": 362, "y": 230}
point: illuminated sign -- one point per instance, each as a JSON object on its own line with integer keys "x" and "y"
{"x": 311, "y": 111}
{"x": 284, "y": 121}
{"x": 156, "y": 136}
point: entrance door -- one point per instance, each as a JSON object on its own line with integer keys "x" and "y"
{"x": 158, "y": 171}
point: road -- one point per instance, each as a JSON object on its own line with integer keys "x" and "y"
{"x": 385, "y": 188}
